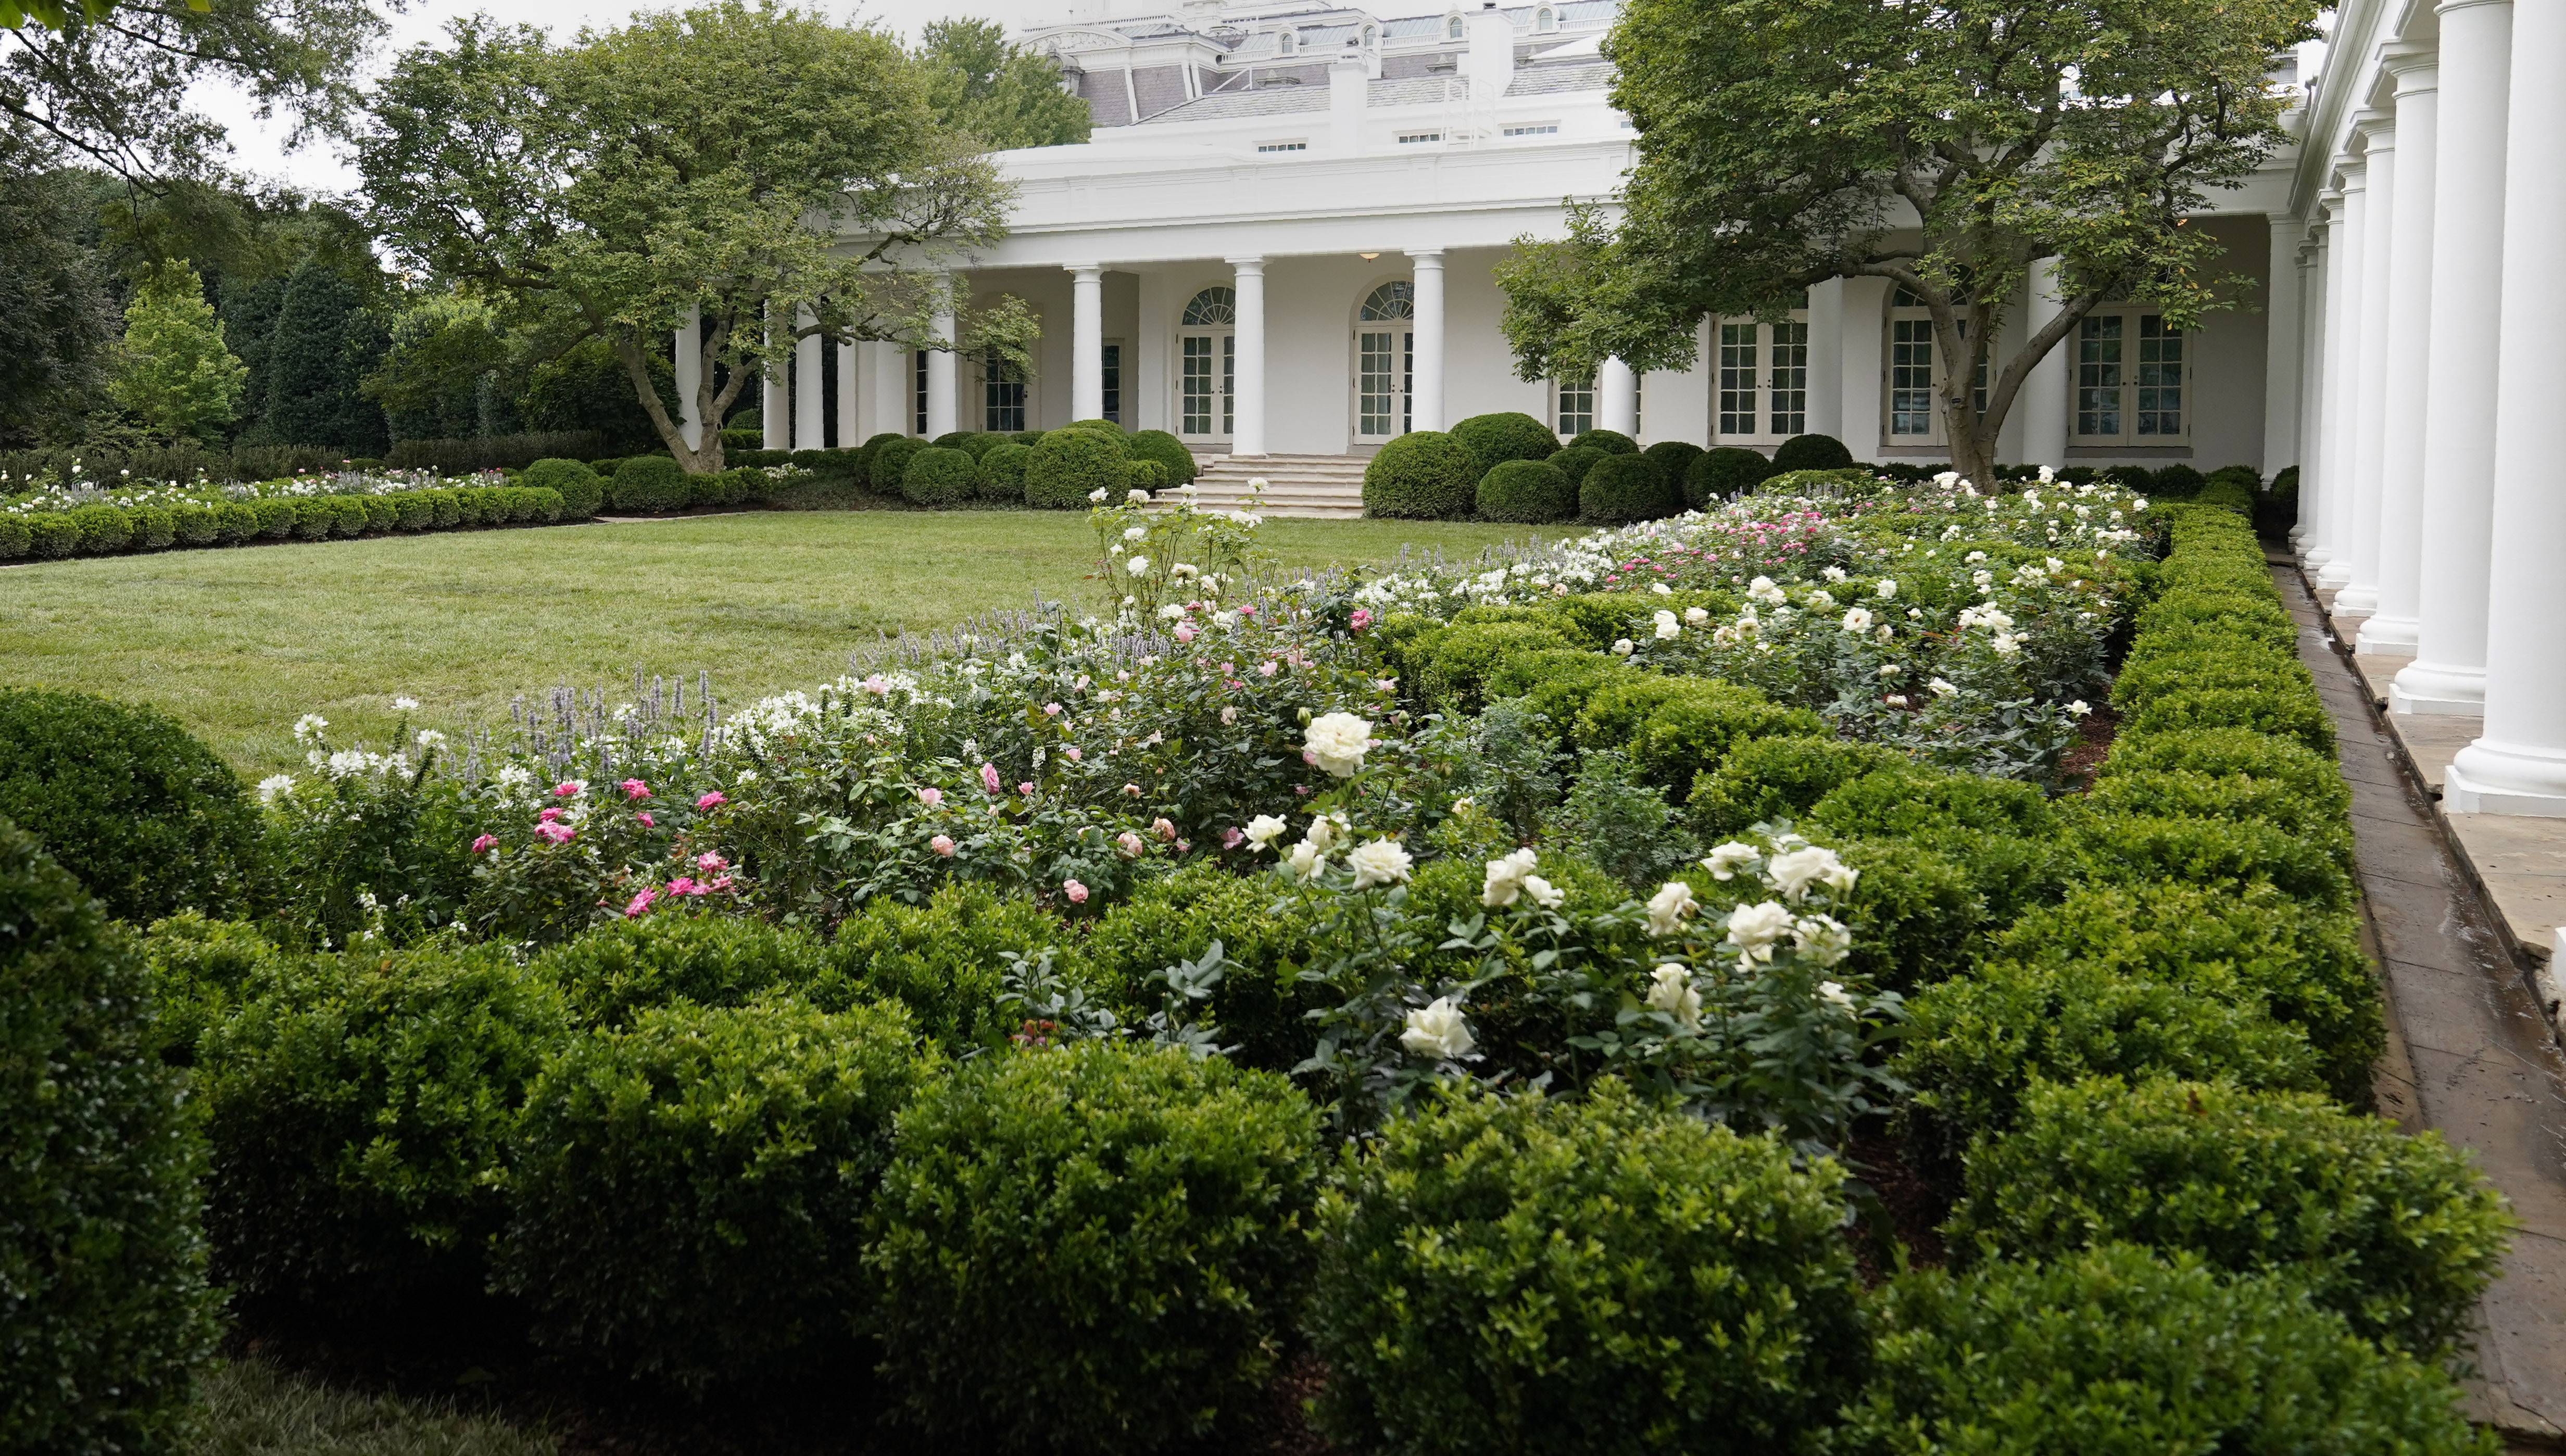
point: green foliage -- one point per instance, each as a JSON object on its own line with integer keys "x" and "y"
{"x": 886, "y": 460}
{"x": 1611, "y": 442}
{"x": 172, "y": 371}
{"x": 615, "y": 972}
{"x": 1091, "y": 1249}
{"x": 1423, "y": 475}
{"x": 1618, "y": 819}
{"x": 1725, "y": 473}
{"x": 107, "y": 1315}
{"x": 937, "y": 477}
{"x": 1576, "y": 460}
{"x": 1001, "y": 476}
{"x": 999, "y": 94}
{"x": 1810, "y": 452}
{"x": 447, "y": 375}
{"x": 1677, "y": 728}
{"x": 56, "y": 316}
{"x": 1072, "y": 463}
{"x": 1533, "y": 492}
{"x": 1911, "y": 800}
{"x": 1447, "y": 665}
{"x": 102, "y": 529}
{"x": 1917, "y": 914}
{"x": 1532, "y": 1274}
{"x": 2132, "y": 849}
{"x": 2297, "y": 716}
{"x": 202, "y": 971}
{"x": 1494, "y": 439}
{"x": 687, "y": 1194}
{"x": 1777, "y": 778}
{"x": 945, "y": 959}
{"x": 359, "y": 1107}
{"x": 127, "y": 801}
{"x": 1266, "y": 935}
{"x": 581, "y": 490}
{"x": 1167, "y": 450}
{"x": 1147, "y": 475}
{"x": 1621, "y": 488}
{"x": 648, "y": 483}
{"x": 1675, "y": 459}
{"x": 2396, "y": 1233}
{"x": 2117, "y": 1353}
{"x": 324, "y": 343}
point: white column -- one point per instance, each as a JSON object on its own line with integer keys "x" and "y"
{"x": 1616, "y": 399}
{"x": 2312, "y": 345}
{"x": 1826, "y": 359}
{"x": 2281, "y": 347}
{"x": 1862, "y": 375}
{"x": 688, "y": 359}
{"x": 2447, "y": 674}
{"x": 1247, "y": 378}
{"x": 2518, "y": 764}
{"x": 808, "y": 429}
{"x": 940, "y": 414}
{"x": 2360, "y": 594}
{"x": 775, "y": 395}
{"x": 1086, "y": 342}
{"x": 1425, "y": 386}
{"x": 2342, "y": 365}
{"x": 2391, "y": 628}
{"x": 848, "y": 438}
{"x": 2042, "y": 404}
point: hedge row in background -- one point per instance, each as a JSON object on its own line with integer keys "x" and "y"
{"x": 104, "y": 529}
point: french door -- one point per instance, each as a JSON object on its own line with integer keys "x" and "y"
{"x": 1385, "y": 368}
{"x": 1207, "y": 368}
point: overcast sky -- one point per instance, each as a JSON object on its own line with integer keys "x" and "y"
{"x": 321, "y": 166}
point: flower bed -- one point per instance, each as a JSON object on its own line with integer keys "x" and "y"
{"x": 1623, "y": 885}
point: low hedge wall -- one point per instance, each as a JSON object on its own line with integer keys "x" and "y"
{"x": 104, "y": 530}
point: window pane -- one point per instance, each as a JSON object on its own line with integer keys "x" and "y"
{"x": 1229, "y": 381}
{"x": 1113, "y": 372}
{"x": 1575, "y": 407}
{"x": 1790, "y": 379}
{"x": 1377, "y": 388}
{"x": 1911, "y": 377}
{"x": 2160, "y": 407}
{"x": 917, "y": 391}
{"x": 1003, "y": 394}
{"x": 1737, "y": 378}
{"x": 1406, "y": 381}
{"x": 1196, "y": 386}
{"x": 2098, "y": 376}
{"x": 1213, "y": 306}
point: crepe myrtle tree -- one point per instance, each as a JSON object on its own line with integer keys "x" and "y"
{"x": 784, "y": 175}
{"x": 1946, "y": 145}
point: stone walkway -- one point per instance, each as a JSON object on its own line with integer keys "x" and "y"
{"x": 2470, "y": 1052}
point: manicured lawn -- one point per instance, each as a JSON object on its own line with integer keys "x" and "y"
{"x": 239, "y": 643}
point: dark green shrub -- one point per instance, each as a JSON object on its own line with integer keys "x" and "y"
{"x": 2157, "y": 673}
{"x": 2210, "y": 853}
{"x": 445, "y": 508}
{"x": 102, "y": 529}
{"x": 1070, "y": 464}
{"x": 1611, "y": 442}
{"x": 1811, "y": 452}
{"x": 1911, "y": 800}
{"x": 687, "y": 1196}
{"x": 581, "y": 492}
{"x": 1002, "y": 473}
{"x": 154, "y": 529}
{"x": 52, "y": 535}
{"x": 277, "y": 519}
{"x": 1557, "y": 683}
{"x": 1423, "y": 475}
{"x": 2232, "y": 752}
{"x": 937, "y": 476}
{"x": 612, "y": 974}
{"x": 202, "y": 971}
{"x": 648, "y": 483}
{"x": 1724, "y": 473}
{"x": 105, "y": 1313}
{"x": 359, "y": 1109}
{"x": 411, "y": 511}
{"x": 944, "y": 959}
{"x": 2112, "y": 1352}
{"x": 379, "y": 512}
{"x": 1576, "y": 460}
{"x": 2136, "y": 477}
{"x": 1675, "y": 459}
{"x": 2299, "y": 717}
{"x": 2176, "y": 482}
{"x": 1778, "y": 778}
{"x": 1167, "y": 450}
{"x": 1675, "y": 728}
{"x": 1975, "y": 1042}
{"x": 1091, "y": 1249}
{"x": 542, "y": 503}
{"x": 1522, "y": 1273}
{"x": 1449, "y": 664}
{"x": 1147, "y": 475}
{"x": 138, "y": 810}
{"x": 1265, "y": 931}
{"x": 871, "y": 451}
{"x": 1494, "y": 439}
{"x": 14, "y": 540}
{"x": 2398, "y": 1234}
{"x": 2182, "y": 793}
{"x": 1621, "y": 488}
{"x": 1100, "y": 427}
{"x": 1917, "y": 914}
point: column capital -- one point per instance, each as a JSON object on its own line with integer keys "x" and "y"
{"x": 1426, "y": 257}
{"x": 1085, "y": 272}
{"x": 2352, "y": 177}
{"x": 2376, "y": 129}
{"x": 2416, "y": 65}
{"x": 2447, "y": 6}
{"x": 1255, "y": 265}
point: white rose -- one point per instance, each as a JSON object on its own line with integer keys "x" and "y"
{"x": 1823, "y": 940}
{"x": 1543, "y": 892}
{"x": 1322, "y": 832}
{"x": 1135, "y": 532}
{"x": 1305, "y": 861}
{"x": 1667, "y": 627}
{"x": 1696, "y": 617}
{"x": 2078, "y": 708}
{"x": 1662, "y": 589}
{"x": 1857, "y": 620}
{"x": 1670, "y": 907}
{"x": 1833, "y": 992}
{"x": 1941, "y": 688}
{"x": 1670, "y": 989}
{"x": 1833, "y": 574}
{"x": 1097, "y": 496}
{"x": 1623, "y": 646}
{"x": 1264, "y": 830}
{"x": 1762, "y": 590}
{"x": 1379, "y": 862}
{"x": 1337, "y": 742}
{"x": 1795, "y": 872}
{"x": 1888, "y": 589}
{"x": 1754, "y": 928}
{"x": 1728, "y": 859}
{"x": 1437, "y": 1030}
{"x": 1505, "y": 879}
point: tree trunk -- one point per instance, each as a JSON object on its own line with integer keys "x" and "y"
{"x": 1972, "y": 435}
{"x": 705, "y": 459}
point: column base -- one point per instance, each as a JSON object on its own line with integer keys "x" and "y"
{"x": 2439, "y": 689}
{"x": 2353, "y": 600}
{"x": 2316, "y": 556}
{"x": 2334, "y": 576}
{"x": 2394, "y": 635}
{"x": 2506, "y": 778}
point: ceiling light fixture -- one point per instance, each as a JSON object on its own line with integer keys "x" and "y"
{"x": 1366, "y": 257}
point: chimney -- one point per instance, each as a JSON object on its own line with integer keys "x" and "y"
{"x": 1491, "y": 59}
{"x": 1349, "y": 82}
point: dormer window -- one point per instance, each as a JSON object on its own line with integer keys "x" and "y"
{"x": 1545, "y": 20}
{"x": 1367, "y": 35}
{"x": 1289, "y": 43}
{"x": 1451, "y": 27}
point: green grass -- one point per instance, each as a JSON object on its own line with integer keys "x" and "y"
{"x": 251, "y": 1409}
{"x": 238, "y": 643}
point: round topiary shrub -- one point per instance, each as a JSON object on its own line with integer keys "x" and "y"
{"x": 147, "y": 817}
{"x": 1576, "y": 460}
{"x": 1102, "y": 426}
{"x": 14, "y": 539}
{"x": 1526, "y": 1274}
{"x": 52, "y": 535}
{"x": 1167, "y": 450}
{"x": 1493, "y": 439}
{"x": 1071, "y": 464}
{"x": 412, "y": 510}
{"x": 582, "y": 491}
{"x": 738, "y": 1148}
{"x": 888, "y": 464}
{"x": 381, "y": 513}
{"x": 648, "y": 483}
{"x": 1533, "y": 492}
{"x": 1811, "y": 452}
{"x": 2115, "y": 1351}
{"x": 1725, "y": 474}
{"x": 277, "y": 519}
{"x": 2179, "y": 482}
{"x": 107, "y": 1315}
{"x": 866, "y": 452}
{"x": 1091, "y": 1249}
{"x": 1423, "y": 475}
{"x": 937, "y": 476}
{"x": 1675, "y": 459}
{"x": 1611, "y": 442}
{"x": 2397, "y": 1234}
{"x": 102, "y": 529}
{"x": 1002, "y": 473}
{"x": 154, "y": 529}
{"x": 1621, "y": 488}
{"x": 959, "y": 439}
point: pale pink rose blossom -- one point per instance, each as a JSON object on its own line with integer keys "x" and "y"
{"x": 634, "y": 789}
{"x": 930, "y": 797}
{"x": 989, "y": 778}
{"x": 942, "y": 844}
{"x": 1077, "y": 892}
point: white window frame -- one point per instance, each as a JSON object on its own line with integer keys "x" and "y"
{"x": 1763, "y": 381}
{"x": 1913, "y": 318}
{"x": 2136, "y": 385}
{"x": 991, "y": 382}
{"x": 1531, "y": 128}
{"x": 1573, "y": 402}
{"x": 1452, "y": 26}
{"x": 1545, "y": 20}
{"x": 1297, "y": 143}
{"x": 1414, "y": 138}
{"x": 1218, "y": 351}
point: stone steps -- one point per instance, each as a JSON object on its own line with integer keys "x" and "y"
{"x": 1310, "y": 487}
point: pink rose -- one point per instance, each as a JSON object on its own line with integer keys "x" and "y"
{"x": 640, "y": 905}
{"x": 682, "y": 885}
{"x": 634, "y": 789}
{"x": 1360, "y": 618}
{"x": 1162, "y": 828}
{"x": 1231, "y": 838}
{"x": 930, "y": 797}
{"x": 1130, "y": 791}
{"x": 1051, "y": 710}
{"x": 548, "y": 815}
{"x": 1026, "y": 790}
{"x": 989, "y": 778}
{"x": 877, "y": 685}
{"x": 1077, "y": 892}
{"x": 721, "y": 885}
{"x": 648, "y": 822}
{"x": 555, "y": 834}
{"x": 941, "y": 845}
{"x": 1130, "y": 844}
{"x": 709, "y": 862}
{"x": 566, "y": 791}
{"x": 482, "y": 845}
{"x": 1265, "y": 670}
{"x": 1072, "y": 754}
{"x": 1186, "y": 632}
{"x": 714, "y": 799}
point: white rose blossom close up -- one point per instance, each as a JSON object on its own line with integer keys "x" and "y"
{"x": 1505, "y": 879}
{"x": 1437, "y": 1028}
{"x": 1670, "y": 989}
{"x": 1337, "y": 742}
{"x": 1670, "y": 907}
{"x": 1380, "y": 861}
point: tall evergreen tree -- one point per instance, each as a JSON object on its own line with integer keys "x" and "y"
{"x": 57, "y": 317}
{"x": 248, "y": 309}
{"x": 172, "y": 371}
{"x": 323, "y": 344}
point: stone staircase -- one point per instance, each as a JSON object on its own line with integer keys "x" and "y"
{"x": 1317, "y": 487}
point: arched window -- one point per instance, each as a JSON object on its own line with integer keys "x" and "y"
{"x": 1367, "y": 35}
{"x": 1207, "y": 364}
{"x": 1213, "y": 306}
{"x": 1452, "y": 28}
{"x": 1545, "y": 20}
{"x": 1395, "y": 299}
{"x": 1287, "y": 43}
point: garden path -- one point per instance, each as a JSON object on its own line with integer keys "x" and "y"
{"x": 2469, "y": 1053}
